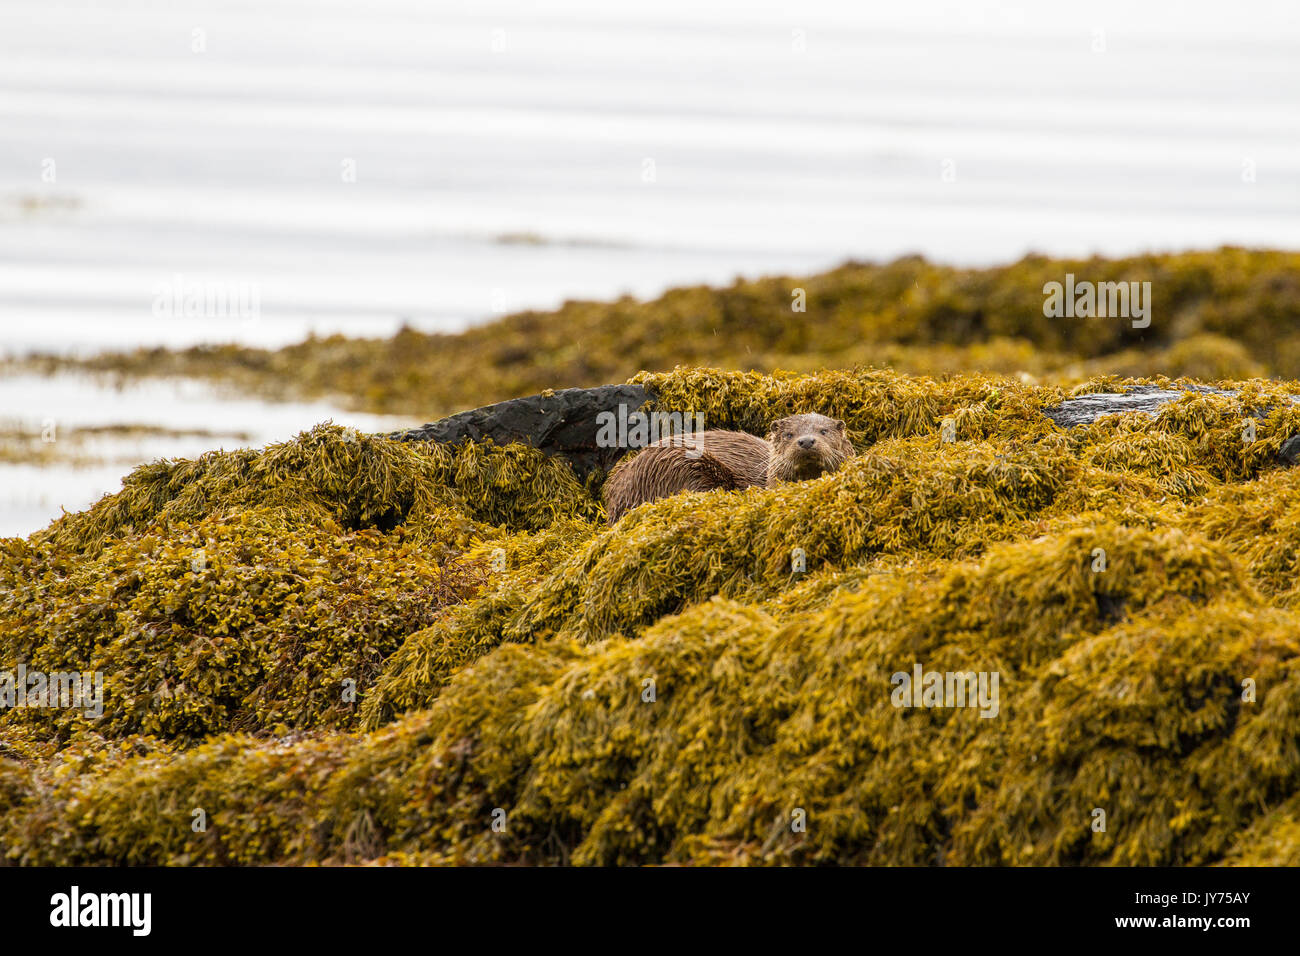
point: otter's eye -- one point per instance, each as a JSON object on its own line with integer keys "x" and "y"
{"x": 823, "y": 431}
{"x": 788, "y": 435}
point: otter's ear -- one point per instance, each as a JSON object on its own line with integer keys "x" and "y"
{"x": 839, "y": 424}
{"x": 774, "y": 428}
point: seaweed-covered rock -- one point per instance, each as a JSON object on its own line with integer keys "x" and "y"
{"x": 1148, "y": 399}
{"x": 681, "y": 686}
{"x": 360, "y": 481}
{"x": 249, "y": 622}
{"x": 700, "y": 739}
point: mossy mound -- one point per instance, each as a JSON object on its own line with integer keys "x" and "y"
{"x": 242, "y": 622}
{"x": 712, "y": 679}
{"x": 263, "y": 590}
{"x": 358, "y": 481}
{"x": 753, "y": 720}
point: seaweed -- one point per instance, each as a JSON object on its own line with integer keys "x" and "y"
{"x": 347, "y": 649}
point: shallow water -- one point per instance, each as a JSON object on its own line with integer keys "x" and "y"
{"x": 196, "y": 417}
{"x": 358, "y": 165}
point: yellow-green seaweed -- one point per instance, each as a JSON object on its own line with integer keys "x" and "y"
{"x": 678, "y": 688}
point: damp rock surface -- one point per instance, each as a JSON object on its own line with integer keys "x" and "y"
{"x": 561, "y": 423}
{"x": 1148, "y": 399}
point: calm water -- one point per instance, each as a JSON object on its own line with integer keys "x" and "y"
{"x": 351, "y": 165}
{"x": 181, "y": 171}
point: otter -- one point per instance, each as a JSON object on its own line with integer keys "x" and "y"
{"x": 797, "y": 448}
{"x": 806, "y": 446}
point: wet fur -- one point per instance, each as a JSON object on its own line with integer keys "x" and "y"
{"x": 728, "y": 459}
{"x": 828, "y": 448}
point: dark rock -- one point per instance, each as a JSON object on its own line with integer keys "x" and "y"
{"x": 562, "y": 423}
{"x": 1290, "y": 450}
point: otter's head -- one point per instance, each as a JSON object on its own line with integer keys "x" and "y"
{"x": 805, "y": 446}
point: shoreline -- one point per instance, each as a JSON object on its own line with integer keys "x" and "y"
{"x": 912, "y": 315}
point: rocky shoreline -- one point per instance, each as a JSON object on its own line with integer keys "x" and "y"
{"x": 565, "y": 423}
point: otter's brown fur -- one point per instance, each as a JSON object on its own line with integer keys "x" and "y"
{"x": 799, "y": 447}
{"x": 718, "y": 459}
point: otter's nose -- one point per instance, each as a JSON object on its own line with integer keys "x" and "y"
{"x": 807, "y": 442}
